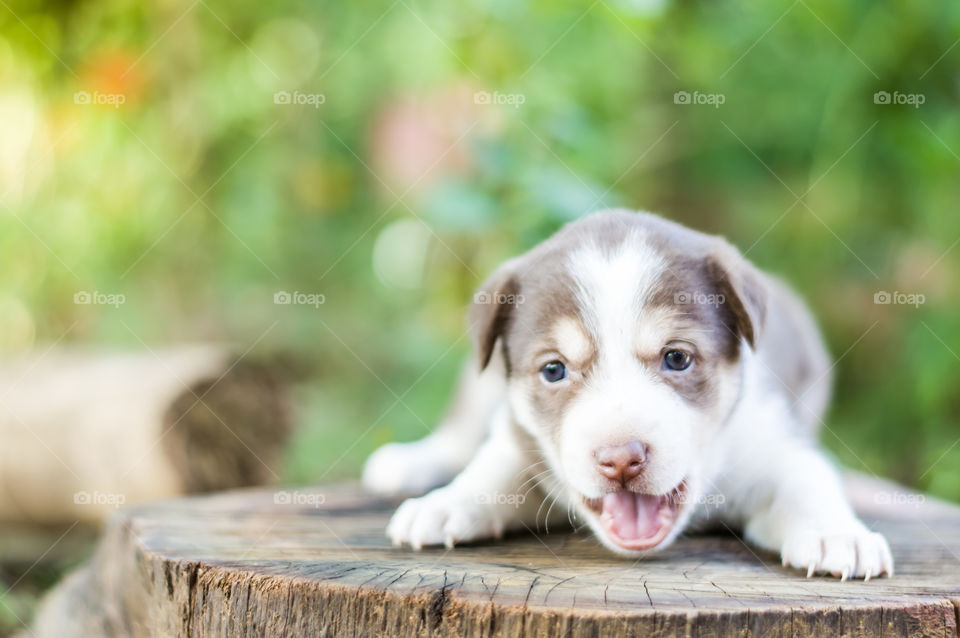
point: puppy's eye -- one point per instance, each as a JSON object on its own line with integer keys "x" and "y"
{"x": 677, "y": 360}
{"x": 553, "y": 372}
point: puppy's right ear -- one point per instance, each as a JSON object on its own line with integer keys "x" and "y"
{"x": 493, "y": 308}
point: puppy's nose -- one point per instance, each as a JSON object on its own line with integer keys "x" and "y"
{"x": 621, "y": 462}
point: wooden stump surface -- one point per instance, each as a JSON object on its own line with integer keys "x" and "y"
{"x": 315, "y": 562}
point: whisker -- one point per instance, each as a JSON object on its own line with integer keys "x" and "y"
{"x": 546, "y": 519}
{"x": 530, "y": 467}
{"x": 535, "y": 476}
{"x": 539, "y": 484}
{"x": 542, "y": 503}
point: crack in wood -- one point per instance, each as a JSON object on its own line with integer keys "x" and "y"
{"x": 397, "y": 579}
{"x": 547, "y": 595}
{"x": 374, "y": 577}
{"x": 647, "y": 591}
{"x": 526, "y": 600}
{"x": 438, "y": 603}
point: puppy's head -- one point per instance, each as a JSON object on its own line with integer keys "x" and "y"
{"x": 622, "y": 336}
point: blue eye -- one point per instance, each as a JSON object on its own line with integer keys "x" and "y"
{"x": 677, "y": 360}
{"x": 553, "y": 372}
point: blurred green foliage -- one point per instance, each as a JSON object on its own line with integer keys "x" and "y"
{"x": 221, "y": 179}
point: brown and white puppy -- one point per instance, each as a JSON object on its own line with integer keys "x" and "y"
{"x": 643, "y": 377}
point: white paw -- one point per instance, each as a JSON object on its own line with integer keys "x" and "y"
{"x": 406, "y": 468}
{"x": 855, "y": 553}
{"x": 444, "y": 517}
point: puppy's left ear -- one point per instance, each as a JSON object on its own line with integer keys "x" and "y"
{"x": 744, "y": 291}
{"x": 493, "y": 308}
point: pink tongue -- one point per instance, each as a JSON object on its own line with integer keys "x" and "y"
{"x": 631, "y": 516}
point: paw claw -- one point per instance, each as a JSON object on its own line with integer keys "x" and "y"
{"x": 443, "y": 517}
{"x": 850, "y": 553}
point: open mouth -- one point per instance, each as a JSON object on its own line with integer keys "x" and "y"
{"x": 638, "y": 521}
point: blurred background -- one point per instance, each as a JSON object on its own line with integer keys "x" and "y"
{"x": 333, "y": 180}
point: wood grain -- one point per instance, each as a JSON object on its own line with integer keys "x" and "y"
{"x": 243, "y": 564}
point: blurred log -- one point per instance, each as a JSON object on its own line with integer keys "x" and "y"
{"x": 315, "y": 562}
{"x": 85, "y": 431}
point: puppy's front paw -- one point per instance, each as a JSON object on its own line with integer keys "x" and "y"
{"x": 444, "y": 517}
{"x": 856, "y": 553}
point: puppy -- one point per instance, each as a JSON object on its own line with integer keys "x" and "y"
{"x": 644, "y": 378}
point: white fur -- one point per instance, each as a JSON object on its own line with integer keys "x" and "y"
{"x": 613, "y": 286}
{"x": 623, "y": 401}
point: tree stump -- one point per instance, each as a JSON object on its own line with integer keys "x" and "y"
{"x": 316, "y": 563}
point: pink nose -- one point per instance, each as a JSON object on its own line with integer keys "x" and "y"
{"x": 621, "y": 463}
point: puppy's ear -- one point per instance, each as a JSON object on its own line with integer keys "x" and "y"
{"x": 743, "y": 290}
{"x": 493, "y": 307}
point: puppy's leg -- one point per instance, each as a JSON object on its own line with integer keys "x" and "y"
{"x": 416, "y": 467}
{"x": 808, "y": 520}
{"x": 485, "y": 499}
